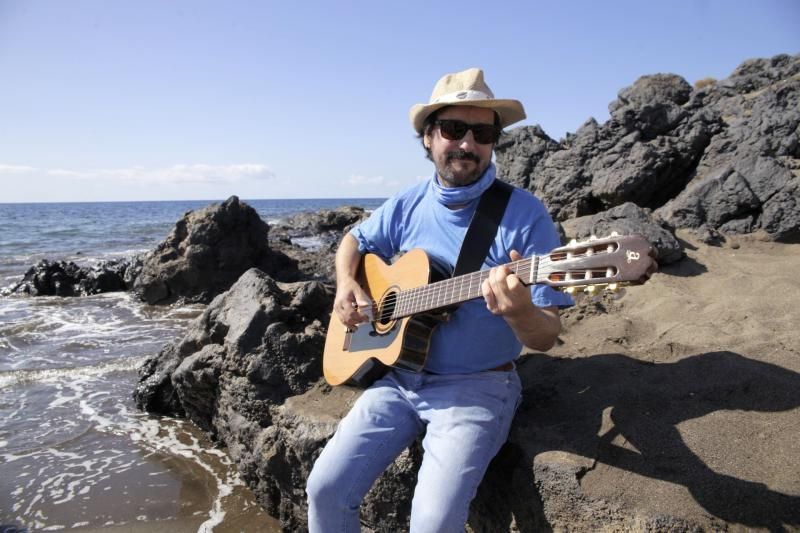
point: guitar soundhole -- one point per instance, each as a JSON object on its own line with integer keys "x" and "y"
{"x": 384, "y": 319}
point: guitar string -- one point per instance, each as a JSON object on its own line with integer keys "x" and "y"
{"x": 421, "y": 294}
{"x": 523, "y": 268}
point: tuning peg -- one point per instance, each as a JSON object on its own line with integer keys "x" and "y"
{"x": 592, "y": 237}
{"x": 590, "y": 290}
{"x": 570, "y": 290}
{"x": 613, "y": 287}
{"x": 614, "y": 234}
{"x": 573, "y": 242}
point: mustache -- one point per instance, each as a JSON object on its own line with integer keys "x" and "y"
{"x": 462, "y": 154}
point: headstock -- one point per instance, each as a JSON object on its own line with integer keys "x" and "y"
{"x": 608, "y": 262}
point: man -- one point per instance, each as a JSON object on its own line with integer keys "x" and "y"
{"x": 465, "y": 398}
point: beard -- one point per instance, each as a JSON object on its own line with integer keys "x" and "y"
{"x": 460, "y": 168}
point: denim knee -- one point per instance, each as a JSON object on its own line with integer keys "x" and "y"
{"x": 328, "y": 505}
{"x": 325, "y": 493}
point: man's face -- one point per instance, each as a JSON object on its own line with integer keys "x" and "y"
{"x": 460, "y": 162}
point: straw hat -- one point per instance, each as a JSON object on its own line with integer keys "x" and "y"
{"x": 466, "y": 88}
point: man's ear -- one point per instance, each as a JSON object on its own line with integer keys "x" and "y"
{"x": 426, "y": 141}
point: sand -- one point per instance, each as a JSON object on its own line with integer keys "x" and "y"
{"x": 686, "y": 390}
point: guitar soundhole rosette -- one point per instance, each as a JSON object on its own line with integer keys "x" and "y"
{"x": 384, "y": 318}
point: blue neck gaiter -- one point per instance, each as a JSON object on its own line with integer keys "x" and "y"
{"x": 462, "y": 195}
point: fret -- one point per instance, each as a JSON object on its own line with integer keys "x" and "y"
{"x": 469, "y": 285}
{"x": 428, "y": 300}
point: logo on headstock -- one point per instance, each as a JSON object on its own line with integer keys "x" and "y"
{"x": 631, "y": 255}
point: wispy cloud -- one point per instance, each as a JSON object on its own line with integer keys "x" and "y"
{"x": 174, "y": 174}
{"x": 16, "y": 169}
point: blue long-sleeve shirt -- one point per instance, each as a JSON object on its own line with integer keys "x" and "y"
{"x": 473, "y": 339}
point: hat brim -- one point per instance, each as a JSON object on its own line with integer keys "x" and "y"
{"x": 509, "y": 111}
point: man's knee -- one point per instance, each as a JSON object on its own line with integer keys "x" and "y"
{"x": 328, "y": 492}
{"x": 320, "y": 488}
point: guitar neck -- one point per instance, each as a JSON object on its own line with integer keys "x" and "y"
{"x": 456, "y": 290}
{"x": 608, "y": 261}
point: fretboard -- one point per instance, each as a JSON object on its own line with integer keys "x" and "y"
{"x": 455, "y": 290}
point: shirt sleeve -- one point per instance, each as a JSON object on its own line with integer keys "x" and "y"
{"x": 380, "y": 233}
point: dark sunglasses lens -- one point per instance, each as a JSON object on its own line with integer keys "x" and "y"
{"x": 484, "y": 134}
{"x": 454, "y": 130}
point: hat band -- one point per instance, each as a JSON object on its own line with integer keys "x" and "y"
{"x": 460, "y": 96}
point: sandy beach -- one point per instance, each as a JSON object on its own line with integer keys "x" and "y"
{"x": 715, "y": 400}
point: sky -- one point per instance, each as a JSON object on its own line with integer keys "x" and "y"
{"x": 199, "y": 100}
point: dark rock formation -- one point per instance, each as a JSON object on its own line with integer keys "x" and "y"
{"x": 326, "y": 225}
{"x": 206, "y": 253}
{"x": 65, "y": 278}
{"x": 270, "y": 331}
{"x": 627, "y": 219}
{"x": 247, "y": 371}
{"x": 325, "y": 229}
{"x": 724, "y": 157}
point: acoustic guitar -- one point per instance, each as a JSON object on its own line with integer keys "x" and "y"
{"x": 407, "y": 304}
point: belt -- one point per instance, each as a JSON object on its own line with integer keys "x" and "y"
{"x": 505, "y": 367}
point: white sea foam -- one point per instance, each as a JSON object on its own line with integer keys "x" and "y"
{"x": 61, "y": 478}
{"x": 57, "y": 375}
{"x": 309, "y": 243}
{"x": 68, "y": 430}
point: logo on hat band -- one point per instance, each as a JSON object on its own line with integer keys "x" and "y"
{"x": 462, "y": 95}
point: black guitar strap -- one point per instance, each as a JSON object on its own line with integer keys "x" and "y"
{"x": 483, "y": 228}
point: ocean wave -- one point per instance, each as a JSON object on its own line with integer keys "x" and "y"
{"x": 12, "y": 378}
{"x": 308, "y": 243}
{"x": 58, "y": 332}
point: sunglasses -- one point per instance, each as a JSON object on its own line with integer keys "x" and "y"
{"x": 454, "y": 130}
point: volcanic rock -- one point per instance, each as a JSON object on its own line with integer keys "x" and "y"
{"x": 207, "y": 251}
{"x": 65, "y": 278}
{"x": 724, "y": 157}
{"x": 247, "y": 371}
{"x": 311, "y": 239}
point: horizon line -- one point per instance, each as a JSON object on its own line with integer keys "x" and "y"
{"x": 23, "y": 202}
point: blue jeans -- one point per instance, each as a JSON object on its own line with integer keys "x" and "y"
{"x": 466, "y": 419}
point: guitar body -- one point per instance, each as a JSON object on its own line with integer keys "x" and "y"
{"x": 358, "y": 357}
{"x": 408, "y": 303}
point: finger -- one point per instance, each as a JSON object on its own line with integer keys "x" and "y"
{"x": 347, "y": 313}
{"x": 506, "y": 288}
{"x": 488, "y": 295}
{"x": 362, "y": 303}
{"x": 515, "y": 255}
{"x": 499, "y": 281}
{"x": 513, "y": 283}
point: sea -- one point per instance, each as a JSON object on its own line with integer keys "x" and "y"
{"x": 75, "y": 452}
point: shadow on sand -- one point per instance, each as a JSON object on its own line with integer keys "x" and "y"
{"x": 563, "y": 405}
